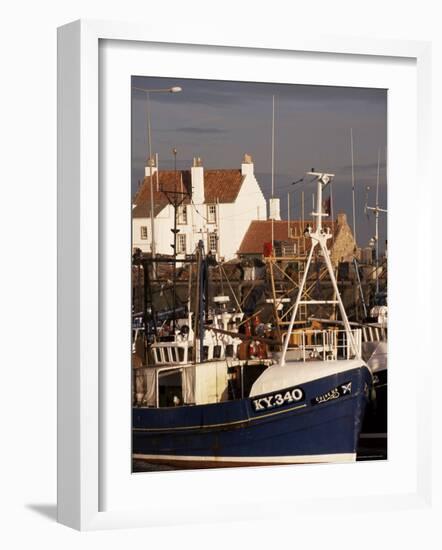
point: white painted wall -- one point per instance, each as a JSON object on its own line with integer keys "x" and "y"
{"x": 235, "y": 218}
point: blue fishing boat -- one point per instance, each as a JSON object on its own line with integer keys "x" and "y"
{"x": 314, "y": 421}
{"x": 200, "y": 404}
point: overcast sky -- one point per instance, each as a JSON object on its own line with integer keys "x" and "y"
{"x": 220, "y": 121}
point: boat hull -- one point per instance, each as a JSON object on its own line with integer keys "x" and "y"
{"x": 318, "y": 421}
{"x": 375, "y": 419}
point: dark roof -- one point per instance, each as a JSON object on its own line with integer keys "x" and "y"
{"x": 260, "y": 232}
{"x": 222, "y": 185}
{"x": 219, "y": 186}
{"x": 164, "y": 182}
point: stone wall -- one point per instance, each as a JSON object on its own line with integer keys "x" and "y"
{"x": 344, "y": 246}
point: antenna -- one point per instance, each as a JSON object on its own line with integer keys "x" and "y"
{"x": 288, "y": 215}
{"x": 376, "y": 209}
{"x": 377, "y": 178}
{"x": 302, "y": 216}
{"x": 157, "y": 172}
{"x": 273, "y": 166}
{"x": 273, "y": 145}
{"x": 367, "y": 189}
{"x": 332, "y": 213}
{"x": 353, "y": 183}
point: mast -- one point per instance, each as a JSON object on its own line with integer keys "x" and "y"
{"x": 152, "y": 207}
{"x": 377, "y": 224}
{"x": 288, "y": 215}
{"x": 157, "y": 172}
{"x": 319, "y": 237}
{"x": 376, "y": 209}
{"x": 353, "y": 183}
{"x": 332, "y": 212}
{"x": 273, "y": 167}
{"x": 302, "y": 218}
{"x": 176, "y": 199}
{"x": 202, "y": 298}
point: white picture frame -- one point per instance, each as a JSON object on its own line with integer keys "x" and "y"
{"x": 80, "y": 436}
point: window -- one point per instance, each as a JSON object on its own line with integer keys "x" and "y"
{"x": 181, "y": 244}
{"x": 182, "y": 215}
{"x": 143, "y": 232}
{"x": 211, "y": 213}
{"x": 170, "y": 388}
{"x": 213, "y": 243}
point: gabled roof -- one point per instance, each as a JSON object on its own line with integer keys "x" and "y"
{"x": 222, "y": 185}
{"x": 164, "y": 182}
{"x": 260, "y": 232}
{"x": 219, "y": 186}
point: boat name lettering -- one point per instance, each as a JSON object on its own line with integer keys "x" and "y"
{"x": 334, "y": 393}
{"x": 270, "y": 401}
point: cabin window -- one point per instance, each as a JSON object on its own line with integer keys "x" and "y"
{"x": 211, "y": 213}
{"x": 181, "y": 244}
{"x": 213, "y": 243}
{"x": 216, "y": 352}
{"x": 205, "y": 353}
{"x": 143, "y": 232}
{"x": 170, "y": 388}
{"x": 182, "y": 215}
{"x": 229, "y": 350}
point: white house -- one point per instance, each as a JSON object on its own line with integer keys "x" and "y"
{"x": 217, "y": 207}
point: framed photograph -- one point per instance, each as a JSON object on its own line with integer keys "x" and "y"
{"x": 231, "y": 258}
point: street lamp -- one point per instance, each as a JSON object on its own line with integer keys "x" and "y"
{"x": 173, "y": 90}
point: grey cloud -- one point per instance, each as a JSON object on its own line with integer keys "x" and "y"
{"x": 364, "y": 168}
{"x": 219, "y": 93}
{"x": 220, "y": 121}
{"x": 200, "y": 130}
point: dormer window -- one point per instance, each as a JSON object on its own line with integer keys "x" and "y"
{"x": 211, "y": 213}
{"x": 182, "y": 215}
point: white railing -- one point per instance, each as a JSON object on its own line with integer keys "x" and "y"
{"x": 374, "y": 333}
{"x": 172, "y": 353}
{"x": 326, "y": 345}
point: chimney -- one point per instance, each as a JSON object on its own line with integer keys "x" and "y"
{"x": 274, "y": 213}
{"x": 197, "y": 176}
{"x": 342, "y": 219}
{"x": 150, "y": 162}
{"x": 247, "y": 165}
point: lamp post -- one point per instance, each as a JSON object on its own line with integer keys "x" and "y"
{"x": 173, "y": 90}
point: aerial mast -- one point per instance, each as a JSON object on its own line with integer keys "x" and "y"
{"x": 353, "y": 184}
{"x": 273, "y": 170}
{"x": 376, "y": 209}
{"x": 319, "y": 237}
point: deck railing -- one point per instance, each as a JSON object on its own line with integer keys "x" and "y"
{"x": 374, "y": 333}
{"x": 328, "y": 345}
{"x": 169, "y": 353}
{"x": 165, "y": 353}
